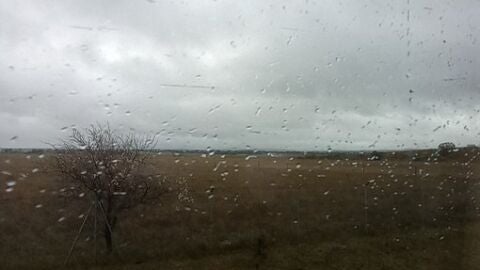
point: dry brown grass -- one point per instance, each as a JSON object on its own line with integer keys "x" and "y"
{"x": 306, "y": 214}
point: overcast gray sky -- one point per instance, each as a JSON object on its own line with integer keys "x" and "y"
{"x": 284, "y": 75}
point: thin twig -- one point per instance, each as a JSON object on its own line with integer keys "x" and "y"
{"x": 78, "y": 235}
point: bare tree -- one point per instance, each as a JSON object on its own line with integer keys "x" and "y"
{"x": 108, "y": 166}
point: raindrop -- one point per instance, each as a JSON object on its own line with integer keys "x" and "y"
{"x": 11, "y": 183}
{"x": 289, "y": 40}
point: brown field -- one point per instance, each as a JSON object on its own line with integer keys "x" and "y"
{"x": 230, "y": 212}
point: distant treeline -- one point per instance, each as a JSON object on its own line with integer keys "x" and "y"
{"x": 414, "y": 155}
{"x": 26, "y": 150}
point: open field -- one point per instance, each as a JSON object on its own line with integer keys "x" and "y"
{"x": 233, "y": 212}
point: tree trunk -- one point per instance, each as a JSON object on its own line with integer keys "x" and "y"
{"x": 108, "y": 238}
{"x": 110, "y": 221}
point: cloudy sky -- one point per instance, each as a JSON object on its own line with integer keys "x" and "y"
{"x": 284, "y": 75}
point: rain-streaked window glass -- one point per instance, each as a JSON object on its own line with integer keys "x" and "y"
{"x": 152, "y": 134}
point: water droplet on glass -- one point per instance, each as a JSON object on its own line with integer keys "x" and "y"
{"x": 11, "y": 183}
{"x": 257, "y": 113}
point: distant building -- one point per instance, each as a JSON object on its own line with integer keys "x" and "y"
{"x": 375, "y": 156}
{"x": 446, "y": 147}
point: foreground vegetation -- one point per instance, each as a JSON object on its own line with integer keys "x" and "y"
{"x": 238, "y": 212}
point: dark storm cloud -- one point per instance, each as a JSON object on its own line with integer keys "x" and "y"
{"x": 243, "y": 74}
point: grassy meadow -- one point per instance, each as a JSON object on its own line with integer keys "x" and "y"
{"x": 255, "y": 212}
